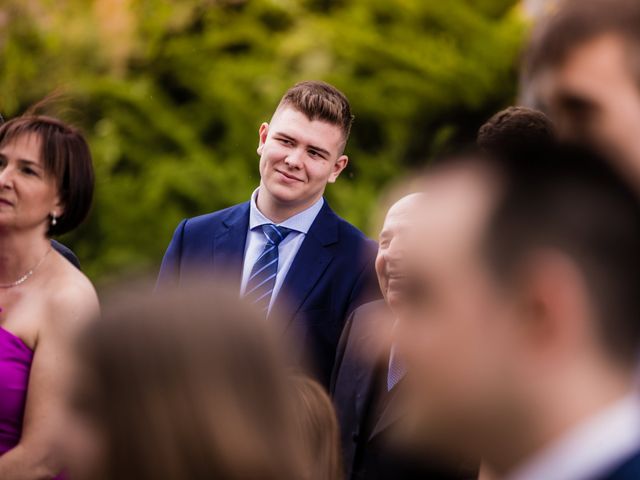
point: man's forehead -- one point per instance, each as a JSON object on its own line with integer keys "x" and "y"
{"x": 603, "y": 56}
{"x": 404, "y": 209}
{"x": 294, "y": 122}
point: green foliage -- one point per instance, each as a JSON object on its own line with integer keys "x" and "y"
{"x": 172, "y": 103}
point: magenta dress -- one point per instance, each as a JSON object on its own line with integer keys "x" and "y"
{"x": 15, "y": 365}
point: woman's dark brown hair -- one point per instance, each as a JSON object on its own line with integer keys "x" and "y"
{"x": 318, "y": 431}
{"x": 67, "y": 157}
{"x": 187, "y": 385}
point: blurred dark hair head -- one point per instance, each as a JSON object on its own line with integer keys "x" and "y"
{"x": 318, "y": 430}
{"x": 572, "y": 200}
{"x": 516, "y": 131}
{"x": 575, "y": 22}
{"x": 320, "y": 101}
{"x": 66, "y": 156}
{"x": 187, "y": 385}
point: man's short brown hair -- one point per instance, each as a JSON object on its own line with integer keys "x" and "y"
{"x": 320, "y": 101}
{"x": 578, "y": 21}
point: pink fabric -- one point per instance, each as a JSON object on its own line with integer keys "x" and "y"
{"x": 15, "y": 366}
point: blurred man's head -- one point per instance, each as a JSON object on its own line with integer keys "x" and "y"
{"x": 516, "y": 131}
{"x": 528, "y": 314}
{"x": 392, "y": 255}
{"x": 302, "y": 148}
{"x": 582, "y": 67}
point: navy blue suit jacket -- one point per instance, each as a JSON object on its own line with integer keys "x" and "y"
{"x": 628, "y": 470}
{"x": 331, "y": 275}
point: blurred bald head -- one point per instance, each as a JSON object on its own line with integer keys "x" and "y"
{"x": 392, "y": 251}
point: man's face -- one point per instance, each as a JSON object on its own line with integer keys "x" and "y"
{"x": 458, "y": 340}
{"x": 593, "y": 96}
{"x": 298, "y": 157}
{"x": 391, "y": 260}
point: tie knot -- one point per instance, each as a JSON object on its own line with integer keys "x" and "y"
{"x": 275, "y": 234}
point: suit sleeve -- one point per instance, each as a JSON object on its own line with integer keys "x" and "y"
{"x": 170, "y": 269}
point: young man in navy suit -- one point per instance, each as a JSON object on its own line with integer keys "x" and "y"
{"x": 522, "y": 344}
{"x": 285, "y": 249}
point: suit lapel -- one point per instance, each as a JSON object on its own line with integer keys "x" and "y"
{"x": 364, "y": 385}
{"x": 309, "y": 264}
{"x": 368, "y": 357}
{"x": 391, "y": 414}
{"x": 229, "y": 244}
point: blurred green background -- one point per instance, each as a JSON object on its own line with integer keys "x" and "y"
{"x": 171, "y": 95}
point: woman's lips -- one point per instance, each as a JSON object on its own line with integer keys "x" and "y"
{"x": 5, "y": 202}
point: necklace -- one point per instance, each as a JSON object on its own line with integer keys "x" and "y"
{"x": 27, "y": 275}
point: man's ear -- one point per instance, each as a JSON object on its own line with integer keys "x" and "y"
{"x": 262, "y": 136}
{"x": 556, "y": 303}
{"x": 338, "y": 167}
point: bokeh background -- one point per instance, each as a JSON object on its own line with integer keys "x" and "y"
{"x": 171, "y": 95}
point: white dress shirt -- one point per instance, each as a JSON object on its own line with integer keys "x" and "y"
{"x": 591, "y": 449}
{"x": 300, "y": 223}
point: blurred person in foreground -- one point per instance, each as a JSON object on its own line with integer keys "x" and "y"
{"x": 364, "y": 386}
{"x": 285, "y": 249}
{"x": 46, "y": 187}
{"x": 368, "y": 377}
{"x": 522, "y": 346}
{"x": 187, "y": 385}
{"x": 317, "y": 429}
{"x": 582, "y": 69}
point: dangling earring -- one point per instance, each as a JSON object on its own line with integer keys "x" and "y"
{"x": 54, "y": 220}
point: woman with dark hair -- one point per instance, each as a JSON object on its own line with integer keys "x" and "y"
{"x": 186, "y": 385}
{"x": 46, "y": 187}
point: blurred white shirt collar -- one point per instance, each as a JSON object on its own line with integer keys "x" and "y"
{"x": 593, "y": 448}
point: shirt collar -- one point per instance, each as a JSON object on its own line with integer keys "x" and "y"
{"x": 300, "y": 222}
{"x": 591, "y": 449}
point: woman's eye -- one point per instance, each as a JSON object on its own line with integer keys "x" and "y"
{"x": 29, "y": 171}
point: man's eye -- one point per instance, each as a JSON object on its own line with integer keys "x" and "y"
{"x": 284, "y": 141}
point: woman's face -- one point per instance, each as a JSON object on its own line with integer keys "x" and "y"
{"x": 28, "y": 194}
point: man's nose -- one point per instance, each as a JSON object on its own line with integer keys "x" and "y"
{"x": 294, "y": 159}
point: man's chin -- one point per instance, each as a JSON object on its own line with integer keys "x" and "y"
{"x": 395, "y": 300}
{"x": 284, "y": 194}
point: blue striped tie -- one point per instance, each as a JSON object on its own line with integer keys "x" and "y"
{"x": 396, "y": 371}
{"x": 263, "y": 274}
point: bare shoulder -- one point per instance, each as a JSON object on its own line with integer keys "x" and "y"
{"x": 72, "y": 300}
